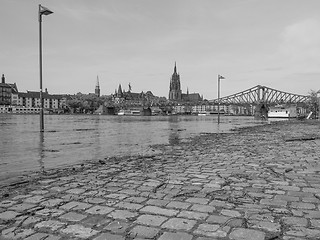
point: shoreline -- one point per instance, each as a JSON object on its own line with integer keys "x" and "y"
{"x": 260, "y": 182}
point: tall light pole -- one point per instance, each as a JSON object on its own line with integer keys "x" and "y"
{"x": 219, "y": 78}
{"x": 42, "y": 11}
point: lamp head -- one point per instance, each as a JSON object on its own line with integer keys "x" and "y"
{"x": 44, "y": 11}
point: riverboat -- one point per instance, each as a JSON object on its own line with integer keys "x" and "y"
{"x": 280, "y": 111}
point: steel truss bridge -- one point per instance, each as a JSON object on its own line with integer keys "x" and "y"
{"x": 261, "y": 95}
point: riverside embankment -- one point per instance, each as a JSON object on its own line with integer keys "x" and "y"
{"x": 255, "y": 183}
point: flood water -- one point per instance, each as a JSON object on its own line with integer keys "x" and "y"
{"x": 72, "y": 139}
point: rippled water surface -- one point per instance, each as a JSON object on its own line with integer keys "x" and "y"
{"x": 70, "y": 139}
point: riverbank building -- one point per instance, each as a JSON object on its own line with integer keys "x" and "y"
{"x": 6, "y": 90}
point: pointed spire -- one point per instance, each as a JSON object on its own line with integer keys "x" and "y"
{"x": 175, "y": 67}
{"x": 97, "y": 85}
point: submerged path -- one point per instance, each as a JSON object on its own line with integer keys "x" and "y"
{"x": 258, "y": 183}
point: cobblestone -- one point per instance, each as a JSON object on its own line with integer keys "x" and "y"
{"x": 247, "y": 185}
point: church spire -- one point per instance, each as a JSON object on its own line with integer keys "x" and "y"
{"x": 175, "y": 67}
{"x": 97, "y": 89}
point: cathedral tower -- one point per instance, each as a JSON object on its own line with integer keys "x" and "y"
{"x": 97, "y": 89}
{"x": 175, "y": 88}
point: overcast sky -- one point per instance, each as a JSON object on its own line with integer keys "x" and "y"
{"x": 250, "y": 42}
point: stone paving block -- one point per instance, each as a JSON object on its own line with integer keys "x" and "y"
{"x": 42, "y": 236}
{"x": 246, "y": 234}
{"x": 16, "y": 233}
{"x": 136, "y": 199}
{"x": 299, "y": 194}
{"x": 95, "y": 200}
{"x": 193, "y": 215}
{"x": 18, "y": 197}
{"x": 129, "y": 206}
{"x": 53, "y": 225}
{"x": 223, "y": 204}
{"x": 51, "y": 202}
{"x": 197, "y": 200}
{"x": 96, "y": 221}
{"x": 230, "y": 213}
{"x": 295, "y": 221}
{"x": 273, "y": 202}
{"x": 151, "y": 220}
{"x": 302, "y": 205}
{"x": 8, "y": 215}
{"x": 22, "y": 207}
{"x": 308, "y": 233}
{"x": 7, "y": 203}
{"x": 79, "y": 231}
{"x": 286, "y": 198}
{"x": 175, "y": 236}
{"x": 311, "y": 190}
{"x": 203, "y": 208}
{"x": 158, "y": 210}
{"x": 117, "y": 226}
{"x": 178, "y": 205}
{"x": 211, "y": 230}
{"x": 73, "y": 217}
{"x": 123, "y": 214}
{"x": 34, "y": 199}
{"x": 143, "y": 232}
{"x": 217, "y": 219}
{"x": 75, "y": 206}
{"x": 31, "y": 220}
{"x": 269, "y": 226}
{"x": 76, "y": 191}
{"x": 157, "y": 202}
{"x": 109, "y": 236}
{"x": 118, "y": 196}
{"x": 179, "y": 224}
{"x": 99, "y": 210}
{"x": 39, "y": 192}
{"x": 52, "y": 212}
{"x": 315, "y": 223}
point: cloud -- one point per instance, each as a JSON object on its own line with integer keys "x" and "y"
{"x": 301, "y": 41}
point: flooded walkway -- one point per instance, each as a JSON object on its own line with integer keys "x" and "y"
{"x": 258, "y": 183}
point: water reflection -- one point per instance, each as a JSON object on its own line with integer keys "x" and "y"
{"x": 96, "y": 140}
{"x": 174, "y": 137}
{"x": 41, "y": 151}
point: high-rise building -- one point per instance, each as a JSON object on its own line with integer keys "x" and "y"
{"x": 175, "y": 88}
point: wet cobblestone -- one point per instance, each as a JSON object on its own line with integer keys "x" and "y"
{"x": 250, "y": 184}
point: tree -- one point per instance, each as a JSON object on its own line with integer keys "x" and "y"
{"x": 313, "y": 104}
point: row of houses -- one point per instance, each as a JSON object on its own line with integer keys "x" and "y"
{"x": 28, "y": 101}
{"x": 212, "y": 109}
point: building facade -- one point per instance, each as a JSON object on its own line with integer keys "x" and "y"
{"x": 6, "y": 89}
{"x": 31, "y": 99}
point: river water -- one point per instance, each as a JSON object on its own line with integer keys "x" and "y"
{"x": 73, "y": 139}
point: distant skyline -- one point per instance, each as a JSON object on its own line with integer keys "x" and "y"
{"x": 249, "y": 42}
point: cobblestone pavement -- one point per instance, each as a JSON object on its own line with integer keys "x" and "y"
{"x": 254, "y": 184}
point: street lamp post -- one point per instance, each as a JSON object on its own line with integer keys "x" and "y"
{"x": 219, "y": 78}
{"x": 42, "y": 11}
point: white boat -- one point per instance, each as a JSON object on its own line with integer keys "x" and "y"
{"x": 203, "y": 113}
{"x": 280, "y": 111}
{"x": 129, "y": 112}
